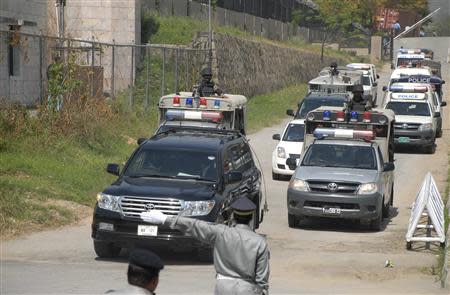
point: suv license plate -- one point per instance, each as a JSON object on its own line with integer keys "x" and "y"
{"x": 147, "y": 230}
{"x": 332, "y": 211}
{"x": 403, "y": 139}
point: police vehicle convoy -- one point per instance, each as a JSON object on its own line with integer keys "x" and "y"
{"x": 346, "y": 167}
{"x": 289, "y": 146}
{"x": 192, "y": 172}
{"x": 416, "y": 121}
{"x": 408, "y": 57}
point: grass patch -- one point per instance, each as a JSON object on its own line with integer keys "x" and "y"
{"x": 268, "y": 109}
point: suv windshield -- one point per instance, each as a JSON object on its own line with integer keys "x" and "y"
{"x": 366, "y": 80}
{"x": 173, "y": 164}
{"x": 315, "y": 102}
{"x": 294, "y": 132}
{"x": 342, "y": 156}
{"x": 409, "y": 108}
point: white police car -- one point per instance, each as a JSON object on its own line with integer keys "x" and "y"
{"x": 290, "y": 146}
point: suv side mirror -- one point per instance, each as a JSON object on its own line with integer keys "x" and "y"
{"x": 389, "y": 166}
{"x": 113, "y": 169}
{"x": 234, "y": 176}
{"x": 443, "y": 82}
{"x": 276, "y": 137}
{"x": 378, "y": 76}
{"x": 141, "y": 140}
{"x": 290, "y": 113}
{"x": 437, "y": 115}
{"x": 443, "y": 103}
{"x": 385, "y": 88}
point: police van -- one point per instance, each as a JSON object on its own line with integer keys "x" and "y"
{"x": 436, "y": 95}
{"x": 182, "y": 109}
{"x": 416, "y": 121}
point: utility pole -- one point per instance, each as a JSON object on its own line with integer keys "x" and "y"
{"x": 209, "y": 34}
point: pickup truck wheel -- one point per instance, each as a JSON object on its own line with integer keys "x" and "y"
{"x": 376, "y": 223}
{"x": 293, "y": 220}
{"x": 430, "y": 149}
{"x": 106, "y": 249}
{"x": 439, "y": 133}
{"x": 205, "y": 254}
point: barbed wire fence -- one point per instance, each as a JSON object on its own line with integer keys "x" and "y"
{"x": 136, "y": 74}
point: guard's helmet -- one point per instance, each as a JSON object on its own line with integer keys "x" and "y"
{"x": 333, "y": 64}
{"x": 206, "y": 72}
{"x": 358, "y": 88}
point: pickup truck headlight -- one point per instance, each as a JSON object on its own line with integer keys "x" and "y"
{"x": 426, "y": 126}
{"x": 197, "y": 208}
{"x": 108, "y": 202}
{"x": 298, "y": 185}
{"x": 281, "y": 153}
{"x": 367, "y": 188}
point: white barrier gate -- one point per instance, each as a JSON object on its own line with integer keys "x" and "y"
{"x": 428, "y": 204}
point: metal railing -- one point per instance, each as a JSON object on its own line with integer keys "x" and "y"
{"x": 139, "y": 72}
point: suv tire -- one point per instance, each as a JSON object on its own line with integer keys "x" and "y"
{"x": 106, "y": 249}
{"x": 430, "y": 149}
{"x": 375, "y": 224}
{"x": 439, "y": 133}
{"x": 275, "y": 176}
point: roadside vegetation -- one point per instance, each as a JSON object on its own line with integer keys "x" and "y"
{"x": 53, "y": 159}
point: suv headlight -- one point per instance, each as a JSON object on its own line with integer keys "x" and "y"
{"x": 108, "y": 202}
{"x": 197, "y": 208}
{"x": 367, "y": 188}
{"x": 298, "y": 185}
{"x": 281, "y": 153}
{"x": 426, "y": 126}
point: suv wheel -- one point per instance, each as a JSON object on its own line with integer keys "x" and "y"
{"x": 106, "y": 249}
{"x": 391, "y": 202}
{"x": 439, "y": 133}
{"x": 386, "y": 209}
{"x": 430, "y": 149}
{"x": 293, "y": 220}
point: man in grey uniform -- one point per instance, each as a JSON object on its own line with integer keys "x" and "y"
{"x": 241, "y": 256}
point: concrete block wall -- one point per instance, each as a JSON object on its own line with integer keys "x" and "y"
{"x": 251, "y": 68}
{"x": 24, "y": 87}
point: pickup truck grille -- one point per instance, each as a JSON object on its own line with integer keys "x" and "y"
{"x": 407, "y": 126}
{"x": 294, "y": 156}
{"x": 342, "y": 187}
{"x": 133, "y": 206}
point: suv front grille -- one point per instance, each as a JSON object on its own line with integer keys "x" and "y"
{"x": 294, "y": 156}
{"x": 134, "y": 206}
{"x": 348, "y": 206}
{"x": 407, "y": 126}
{"x": 342, "y": 187}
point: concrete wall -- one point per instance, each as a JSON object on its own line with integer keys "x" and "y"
{"x": 107, "y": 20}
{"x": 23, "y": 87}
{"x": 251, "y": 68}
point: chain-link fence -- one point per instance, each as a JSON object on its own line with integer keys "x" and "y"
{"x": 137, "y": 74}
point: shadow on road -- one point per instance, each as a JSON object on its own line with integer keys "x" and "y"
{"x": 169, "y": 256}
{"x": 343, "y": 225}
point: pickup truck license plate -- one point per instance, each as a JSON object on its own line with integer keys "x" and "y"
{"x": 147, "y": 230}
{"x": 332, "y": 211}
{"x": 403, "y": 139}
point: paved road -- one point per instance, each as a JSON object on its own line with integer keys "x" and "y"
{"x": 324, "y": 256}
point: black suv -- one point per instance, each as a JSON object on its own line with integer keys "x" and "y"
{"x": 191, "y": 172}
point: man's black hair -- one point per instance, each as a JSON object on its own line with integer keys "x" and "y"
{"x": 139, "y": 276}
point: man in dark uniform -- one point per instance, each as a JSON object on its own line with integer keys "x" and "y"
{"x": 358, "y": 102}
{"x": 334, "y": 71}
{"x": 143, "y": 273}
{"x": 241, "y": 256}
{"x": 207, "y": 86}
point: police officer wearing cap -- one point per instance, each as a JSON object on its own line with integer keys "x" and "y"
{"x": 207, "y": 87}
{"x": 358, "y": 102}
{"x": 143, "y": 273}
{"x": 241, "y": 256}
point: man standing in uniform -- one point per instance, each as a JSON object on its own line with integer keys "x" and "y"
{"x": 241, "y": 256}
{"x": 143, "y": 273}
{"x": 207, "y": 87}
{"x": 358, "y": 102}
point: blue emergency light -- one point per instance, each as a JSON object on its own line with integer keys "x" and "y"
{"x": 354, "y": 116}
{"x": 189, "y": 102}
{"x": 326, "y": 115}
{"x": 217, "y": 104}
